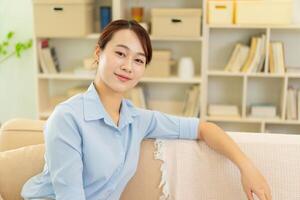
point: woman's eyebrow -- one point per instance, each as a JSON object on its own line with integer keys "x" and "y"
{"x": 126, "y": 47}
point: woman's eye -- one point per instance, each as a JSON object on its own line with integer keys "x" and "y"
{"x": 139, "y": 61}
{"x": 119, "y": 53}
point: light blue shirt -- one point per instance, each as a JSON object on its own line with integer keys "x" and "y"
{"x": 90, "y": 157}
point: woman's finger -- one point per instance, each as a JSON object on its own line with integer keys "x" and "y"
{"x": 268, "y": 196}
{"x": 249, "y": 195}
{"x": 261, "y": 194}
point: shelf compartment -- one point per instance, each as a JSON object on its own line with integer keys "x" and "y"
{"x": 222, "y": 43}
{"x": 265, "y": 91}
{"x": 165, "y": 98}
{"x": 239, "y": 126}
{"x": 126, "y": 5}
{"x": 179, "y": 50}
{"x": 51, "y": 92}
{"x": 295, "y": 84}
{"x": 225, "y": 90}
{"x": 283, "y": 128}
{"x": 291, "y": 41}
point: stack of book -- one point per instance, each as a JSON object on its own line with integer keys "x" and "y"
{"x": 276, "y": 58}
{"x": 263, "y": 111}
{"x": 293, "y": 104}
{"x": 223, "y": 110}
{"x": 48, "y": 60}
{"x": 192, "y": 103}
{"x": 248, "y": 59}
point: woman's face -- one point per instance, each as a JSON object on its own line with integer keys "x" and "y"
{"x": 122, "y": 61}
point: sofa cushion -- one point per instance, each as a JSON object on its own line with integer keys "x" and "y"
{"x": 144, "y": 184}
{"x": 17, "y": 166}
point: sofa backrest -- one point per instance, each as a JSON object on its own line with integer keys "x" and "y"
{"x": 18, "y": 164}
{"x": 17, "y": 133}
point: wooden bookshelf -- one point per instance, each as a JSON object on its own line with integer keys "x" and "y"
{"x": 210, "y": 51}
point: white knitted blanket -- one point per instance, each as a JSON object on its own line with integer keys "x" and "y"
{"x": 193, "y": 171}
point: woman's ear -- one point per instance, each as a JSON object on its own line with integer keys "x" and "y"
{"x": 97, "y": 53}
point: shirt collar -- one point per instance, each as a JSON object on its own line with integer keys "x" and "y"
{"x": 94, "y": 109}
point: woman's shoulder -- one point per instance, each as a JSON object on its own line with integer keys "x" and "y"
{"x": 142, "y": 113}
{"x": 73, "y": 106}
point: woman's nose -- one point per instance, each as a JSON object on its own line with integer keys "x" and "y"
{"x": 127, "y": 66}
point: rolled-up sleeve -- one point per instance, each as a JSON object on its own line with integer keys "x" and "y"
{"x": 64, "y": 154}
{"x": 167, "y": 126}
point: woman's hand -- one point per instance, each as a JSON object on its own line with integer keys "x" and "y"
{"x": 254, "y": 182}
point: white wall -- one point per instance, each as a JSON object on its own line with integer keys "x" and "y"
{"x": 17, "y": 76}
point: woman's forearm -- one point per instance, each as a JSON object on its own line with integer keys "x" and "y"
{"x": 219, "y": 141}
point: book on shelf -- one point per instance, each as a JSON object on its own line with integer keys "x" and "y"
{"x": 263, "y": 111}
{"x": 262, "y": 56}
{"x": 191, "y": 107}
{"x": 253, "y": 46}
{"x": 298, "y": 104}
{"x": 136, "y": 95}
{"x": 238, "y": 58}
{"x": 225, "y": 110}
{"x": 254, "y": 59}
{"x": 291, "y": 104}
{"x": 46, "y": 60}
{"x": 55, "y": 59}
{"x": 276, "y": 58}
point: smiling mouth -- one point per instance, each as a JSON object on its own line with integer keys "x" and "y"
{"x": 122, "y": 78}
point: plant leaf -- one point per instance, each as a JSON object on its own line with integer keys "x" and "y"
{"x": 18, "y": 49}
{"x": 10, "y": 35}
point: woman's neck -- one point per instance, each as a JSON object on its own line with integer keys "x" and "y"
{"x": 109, "y": 98}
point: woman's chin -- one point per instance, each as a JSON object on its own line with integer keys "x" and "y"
{"x": 121, "y": 88}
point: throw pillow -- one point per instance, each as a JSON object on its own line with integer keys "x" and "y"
{"x": 17, "y": 166}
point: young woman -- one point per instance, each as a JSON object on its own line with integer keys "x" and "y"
{"x": 93, "y": 139}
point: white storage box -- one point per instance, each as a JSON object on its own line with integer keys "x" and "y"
{"x": 184, "y": 22}
{"x": 220, "y": 12}
{"x": 264, "y": 12}
{"x": 63, "y": 18}
{"x": 159, "y": 65}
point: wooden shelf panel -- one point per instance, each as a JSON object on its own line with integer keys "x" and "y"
{"x": 70, "y": 76}
{"x": 241, "y": 74}
{"x": 252, "y": 120}
{"x": 173, "y": 79}
{"x": 155, "y": 38}
{"x": 65, "y": 76}
{"x": 253, "y": 26}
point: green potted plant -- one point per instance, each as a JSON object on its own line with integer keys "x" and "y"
{"x": 9, "y": 49}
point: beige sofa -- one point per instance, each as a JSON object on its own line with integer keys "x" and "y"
{"x": 21, "y": 158}
{"x": 200, "y": 172}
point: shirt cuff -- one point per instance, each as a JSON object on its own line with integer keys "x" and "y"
{"x": 189, "y": 128}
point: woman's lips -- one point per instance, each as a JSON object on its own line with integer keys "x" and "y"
{"x": 122, "y": 78}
